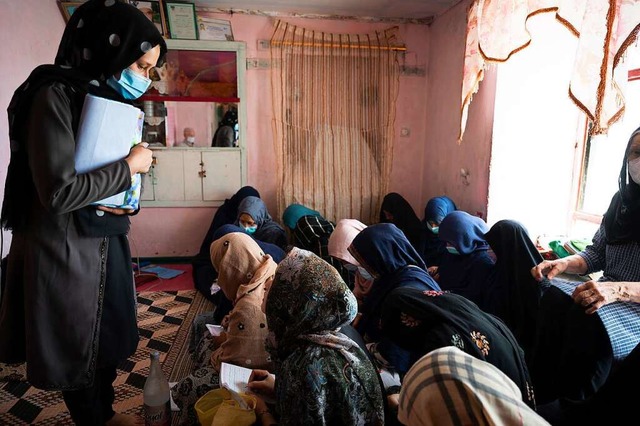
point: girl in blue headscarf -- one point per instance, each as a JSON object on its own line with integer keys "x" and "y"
{"x": 434, "y": 213}
{"x": 466, "y": 266}
{"x": 388, "y": 256}
{"x": 256, "y": 221}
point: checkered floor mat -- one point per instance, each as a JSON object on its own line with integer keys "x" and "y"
{"x": 160, "y": 317}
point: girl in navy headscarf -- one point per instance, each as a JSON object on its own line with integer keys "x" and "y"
{"x": 466, "y": 266}
{"x": 386, "y": 254}
{"x": 434, "y": 213}
{"x": 256, "y": 221}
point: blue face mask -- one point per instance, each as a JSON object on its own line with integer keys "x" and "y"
{"x": 130, "y": 85}
{"x": 365, "y": 274}
{"x": 452, "y": 250}
{"x": 435, "y": 229}
{"x": 251, "y": 229}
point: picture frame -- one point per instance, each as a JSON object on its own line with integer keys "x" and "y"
{"x": 214, "y": 29}
{"x": 181, "y": 18}
{"x": 67, "y": 8}
{"x": 154, "y": 10}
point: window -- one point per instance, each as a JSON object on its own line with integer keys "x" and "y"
{"x": 602, "y": 154}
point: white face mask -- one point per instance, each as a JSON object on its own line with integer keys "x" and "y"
{"x": 633, "y": 167}
{"x": 191, "y": 139}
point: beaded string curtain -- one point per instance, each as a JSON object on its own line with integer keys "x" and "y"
{"x": 334, "y": 111}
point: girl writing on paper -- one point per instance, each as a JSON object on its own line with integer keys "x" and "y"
{"x": 69, "y": 308}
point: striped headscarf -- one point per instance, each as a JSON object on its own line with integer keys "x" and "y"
{"x": 450, "y": 387}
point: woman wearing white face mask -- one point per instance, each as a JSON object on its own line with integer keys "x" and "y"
{"x": 576, "y": 349}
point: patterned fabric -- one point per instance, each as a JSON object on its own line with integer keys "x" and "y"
{"x": 244, "y": 271}
{"x": 450, "y": 387}
{"x": 421, "y": 321}
{"x": 164, "y": 320}
{"x": 619, "y": 262}
{"x": 312, "y": 232}
{"x": 322, "y": 376}
{"x": 385, "y": 252}
{"x": 497, "y": 29}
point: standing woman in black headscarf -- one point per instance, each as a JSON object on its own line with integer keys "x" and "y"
{"x": 69, "y": 308}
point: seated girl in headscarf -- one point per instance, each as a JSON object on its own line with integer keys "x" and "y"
{"x": 322, "y": 377}
{"x": 339, "y": 242}
{"x": 255, "y": 220}
{"x": 465, "y": 269}
{"x": 244, "y": 273}
{"x": 203, "y": 272}
{"x": 421, "y": 321}
{"x": 513, "y": 294}
{"x": 395, "y": 209}
{"x": 434, "y": 212}
{"x": 223, "y": 304}
{"x": 311, "y": 232}
{"x": 450, "y": 387}
{"x": 386, "y": 254}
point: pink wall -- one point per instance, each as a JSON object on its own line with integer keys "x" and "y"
{"x": 184, "y": 228}
{"x": 443, "y": 157}
{"x": 179, "y": 231}
{"x": 27, "y": 28}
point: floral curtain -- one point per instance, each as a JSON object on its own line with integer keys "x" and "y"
{"x": 496, "y": 29}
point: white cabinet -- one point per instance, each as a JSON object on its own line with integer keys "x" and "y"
{"x": 192, "y": 177}
{"x": 196, "y": 88}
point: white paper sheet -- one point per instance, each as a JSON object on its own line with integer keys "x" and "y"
{"x": 215, "y": 330}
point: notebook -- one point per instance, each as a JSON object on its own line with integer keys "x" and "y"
{"x": 107, "y": 131}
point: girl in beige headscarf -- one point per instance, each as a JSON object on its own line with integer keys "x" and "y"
{"x": 243, "y": 269}
{"x": 340, "y": 239}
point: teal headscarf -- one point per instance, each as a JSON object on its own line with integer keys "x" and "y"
{"x": 294, "y": 212}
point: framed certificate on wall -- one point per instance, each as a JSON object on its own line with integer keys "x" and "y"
{"x": 182, "y": 20}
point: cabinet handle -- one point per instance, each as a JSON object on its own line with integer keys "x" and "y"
{"x": 154, "y": 160}
{"x": 202, "y": 173}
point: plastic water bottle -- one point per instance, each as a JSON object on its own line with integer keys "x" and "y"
{"x": 157, "y": 405}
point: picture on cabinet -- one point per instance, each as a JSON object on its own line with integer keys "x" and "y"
{"x": 195, "y": 73}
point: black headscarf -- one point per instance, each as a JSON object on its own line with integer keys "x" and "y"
{"x": 513, "y": 294}
{"x": 102, "y": 38}
{"x": 421, "y": 321}
{"x": 405, "y": 218}
{"x": 621, "y": 222}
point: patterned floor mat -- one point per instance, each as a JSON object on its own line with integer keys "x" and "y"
{"x": 164, "y": 321}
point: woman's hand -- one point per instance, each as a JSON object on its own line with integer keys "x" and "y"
{"x": 264, "y": 416}
{"x": 112, "y": 210}
{"x": 433, "y": 271}
{"x": 140, "y": 158}
{"x": 593, "y": 294}
{"x": 550, "y": 268}
{"x": 262, "y": 383}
